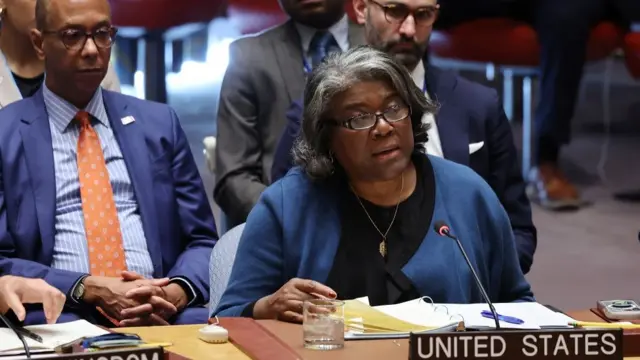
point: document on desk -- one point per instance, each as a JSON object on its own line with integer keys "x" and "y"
{"x": 392, "y": 321}
{"x": 52, "y": 336}
{"x": 418, "y": 315}
{"x": 533, "y": 315}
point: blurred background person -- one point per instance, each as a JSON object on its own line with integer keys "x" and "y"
{"x": 266, "y": 74}
{"x": 563, "y": 29}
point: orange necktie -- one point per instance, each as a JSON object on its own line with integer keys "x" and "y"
{"x": 102, "y": 227}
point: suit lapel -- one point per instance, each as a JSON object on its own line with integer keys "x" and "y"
{"x": 288, "y": 55}
{"x": 132, "y": 142}
{"x": 9, "y": 92}
{"x": 453, "y": 126}
{"x": 38, "y": 149}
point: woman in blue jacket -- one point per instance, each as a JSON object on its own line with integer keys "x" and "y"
{"x": 355, "y": 218}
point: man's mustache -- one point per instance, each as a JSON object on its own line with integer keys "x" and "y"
{"x": 405, "y": 45}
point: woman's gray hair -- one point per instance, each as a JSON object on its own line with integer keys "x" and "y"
{"x": 336, "y": 74}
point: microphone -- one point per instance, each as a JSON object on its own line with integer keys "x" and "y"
{"x": 18, "y": 334}
{"x": 442, "y": 229}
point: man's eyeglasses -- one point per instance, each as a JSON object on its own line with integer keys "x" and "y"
{"x": 367, "y": 121}
{"x": 75, "y": 39}
{"x": 397, "y": 13}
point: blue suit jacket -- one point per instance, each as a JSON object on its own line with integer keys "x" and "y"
{"x": 176, "y": 216}
{"x": 294, "y": 231}
{"x": 469, "y": 113}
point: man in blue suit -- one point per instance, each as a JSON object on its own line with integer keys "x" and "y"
{"x": 99, "y": 192}
{"x": 470, "y": 127}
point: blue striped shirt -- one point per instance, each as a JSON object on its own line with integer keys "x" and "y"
{"x": 70, "y": 251}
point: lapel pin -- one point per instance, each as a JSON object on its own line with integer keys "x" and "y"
{"x": 127, "y": 120}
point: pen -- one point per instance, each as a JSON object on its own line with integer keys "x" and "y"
{"x": 29, "y": 334}
{"x": 507, "y": 319}
{"x": 603, "y": 325}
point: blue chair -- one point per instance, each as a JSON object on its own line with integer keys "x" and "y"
{"x": 222, "y": 257}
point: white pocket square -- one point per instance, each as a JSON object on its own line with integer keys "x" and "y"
{"x": 475, "y": 147}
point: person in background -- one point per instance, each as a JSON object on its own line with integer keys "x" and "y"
{"x": 356, "y": 217}
{"x": 100, "y": 195}
{"x": 563, "y": 29}
{"x": 21, "y": 69}
{"x": 16, "y": 291}
{"x": 266, "y": 74}
{"x": 470, "y": 126}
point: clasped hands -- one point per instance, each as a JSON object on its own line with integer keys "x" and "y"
{"x": 134, "y": 300}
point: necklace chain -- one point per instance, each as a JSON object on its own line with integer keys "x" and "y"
{"x": 383, "y": 243}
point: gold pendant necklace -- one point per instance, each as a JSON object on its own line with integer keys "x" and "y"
{"x": 382, "y": 248}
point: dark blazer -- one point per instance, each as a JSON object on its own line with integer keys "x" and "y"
{"x": 176, "y": 216}
{"x": 469, "y": 113}
{"x": 264, "y": 76}
{"x": 294, "y": 231}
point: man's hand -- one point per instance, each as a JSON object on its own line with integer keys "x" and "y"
{"x": 15, "y": 291}
{"x": 162, "y": 304}
{"x": 110, "y": 293}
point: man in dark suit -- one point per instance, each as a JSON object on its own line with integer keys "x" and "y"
{"x": 266, "y": 73}
{"x": 470, "y": 127}
{"x": 99, "y": 192}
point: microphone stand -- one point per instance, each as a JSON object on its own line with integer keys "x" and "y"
{"x": 445, "y": 231}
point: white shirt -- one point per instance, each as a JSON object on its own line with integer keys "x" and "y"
{"x": 433, "y": 146}
{"x": 339, "y": 30}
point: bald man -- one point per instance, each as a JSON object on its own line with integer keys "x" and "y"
{"x": 101, "y": 196}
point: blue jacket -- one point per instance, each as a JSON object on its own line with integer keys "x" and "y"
{"x": 176, "y": 217}
{"x": 294, "y": 231}
{"x": 469, "y": 113}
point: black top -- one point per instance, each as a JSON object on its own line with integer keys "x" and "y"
{"x": 29, "y": 86}
{"x": 358, "y": 268}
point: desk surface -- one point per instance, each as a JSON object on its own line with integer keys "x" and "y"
{"x": 186, "y": 342}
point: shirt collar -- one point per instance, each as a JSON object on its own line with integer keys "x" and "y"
{"x": 339, "y": 30}
{"x": 418, "y": 75}
{"x": 61, "y": 112}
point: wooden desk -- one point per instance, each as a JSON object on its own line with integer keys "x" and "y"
{"x": 186, "y": 342}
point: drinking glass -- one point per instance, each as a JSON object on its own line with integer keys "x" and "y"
{"x": 323, "y": 324}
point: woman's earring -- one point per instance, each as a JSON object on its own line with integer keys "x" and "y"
{"x": 331, "y": 156}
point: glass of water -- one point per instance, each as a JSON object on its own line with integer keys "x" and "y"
{"x": 323, "y": 324}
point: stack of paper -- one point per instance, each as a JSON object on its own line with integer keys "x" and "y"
{"x": 364, "y": 321}
{"x": 52, "y": 336}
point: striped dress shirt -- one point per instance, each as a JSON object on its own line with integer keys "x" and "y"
{"x": 70, "y": 251}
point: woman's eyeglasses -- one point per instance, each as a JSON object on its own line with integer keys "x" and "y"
{"x": 367, "y": 121}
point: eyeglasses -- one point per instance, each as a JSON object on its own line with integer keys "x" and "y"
{"x": 397, "y": 13}
{"x": 75, "y": 39}
{"x": 367, "y": 121}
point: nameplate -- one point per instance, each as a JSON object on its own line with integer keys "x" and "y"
{"x": 130, "y": 354}
{"x": 518, "y": 344}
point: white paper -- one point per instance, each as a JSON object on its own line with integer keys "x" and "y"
{"x": 533, "y": 314}
{"x": 416, "y": 312}
{"x": 52, "y": 335}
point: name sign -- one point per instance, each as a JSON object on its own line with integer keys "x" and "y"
{"x": 129, "y": 354}
{"x": 518, "y": 344}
